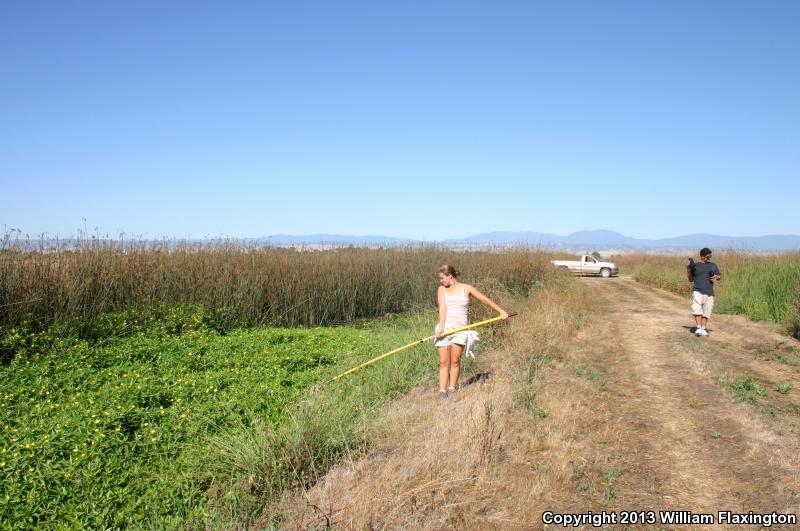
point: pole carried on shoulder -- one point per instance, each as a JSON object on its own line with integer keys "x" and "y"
{"x": 418, "y": 342}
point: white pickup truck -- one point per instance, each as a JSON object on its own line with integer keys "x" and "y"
{"x": 588, "y": 265}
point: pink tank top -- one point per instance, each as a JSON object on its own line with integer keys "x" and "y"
{"x": 456, "y": 309}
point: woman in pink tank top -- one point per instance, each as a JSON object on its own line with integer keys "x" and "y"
{"x": 453, "y": 300}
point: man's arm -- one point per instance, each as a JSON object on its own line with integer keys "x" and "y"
{"x": 690, "y": 270}
{"x": 717, "y": 275}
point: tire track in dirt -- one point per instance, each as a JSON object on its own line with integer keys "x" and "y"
{"x": 684, "y": 443}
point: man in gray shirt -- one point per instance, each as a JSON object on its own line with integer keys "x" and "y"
{"x": 703, "y": 275}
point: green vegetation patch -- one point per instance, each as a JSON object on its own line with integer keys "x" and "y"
{"x": 762, "y": 289}
{"x": 107, "y": 434}
{"x": 591, "y": 372}
{"x": 747, "y": 389}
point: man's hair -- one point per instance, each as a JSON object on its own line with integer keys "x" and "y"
{"x": 705, "y": 251}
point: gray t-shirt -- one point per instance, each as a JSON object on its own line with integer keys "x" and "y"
{"x": 702, "y": 277}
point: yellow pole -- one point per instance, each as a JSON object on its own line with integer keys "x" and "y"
{"x": 418, "y": 342}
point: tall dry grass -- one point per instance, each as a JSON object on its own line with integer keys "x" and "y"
{"x": 246, "y": 285}
{"x": 762, "y": 287}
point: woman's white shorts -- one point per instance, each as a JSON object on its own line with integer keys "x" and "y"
{"x": 459, "y": 338}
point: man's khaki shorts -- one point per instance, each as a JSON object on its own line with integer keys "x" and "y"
{"x": 702, "y": 304}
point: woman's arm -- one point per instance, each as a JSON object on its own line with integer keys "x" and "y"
{"x": 442, "y": 311}
{"x": 471, "y": 290}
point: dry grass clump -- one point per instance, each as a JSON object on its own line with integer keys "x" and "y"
{"x": 475, "y": 460}
{"x": 662, "y": 271}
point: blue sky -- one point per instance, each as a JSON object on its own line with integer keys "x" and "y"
{"x": 426, "y": 120}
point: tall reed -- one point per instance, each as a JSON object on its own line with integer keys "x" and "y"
{"x": 246, "y": 284}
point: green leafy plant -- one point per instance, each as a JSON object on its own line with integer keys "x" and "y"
{"x": 747, "y": 389}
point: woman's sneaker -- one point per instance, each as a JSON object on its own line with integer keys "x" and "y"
{"x": 701, "y": 332}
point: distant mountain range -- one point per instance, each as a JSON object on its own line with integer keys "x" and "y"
{"x": 583, "y": 240}
{"x": 336, "y": 239}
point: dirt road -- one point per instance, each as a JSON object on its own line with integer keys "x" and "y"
{"x": 703, "y": 424}
{"x": 618, "y": 408}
